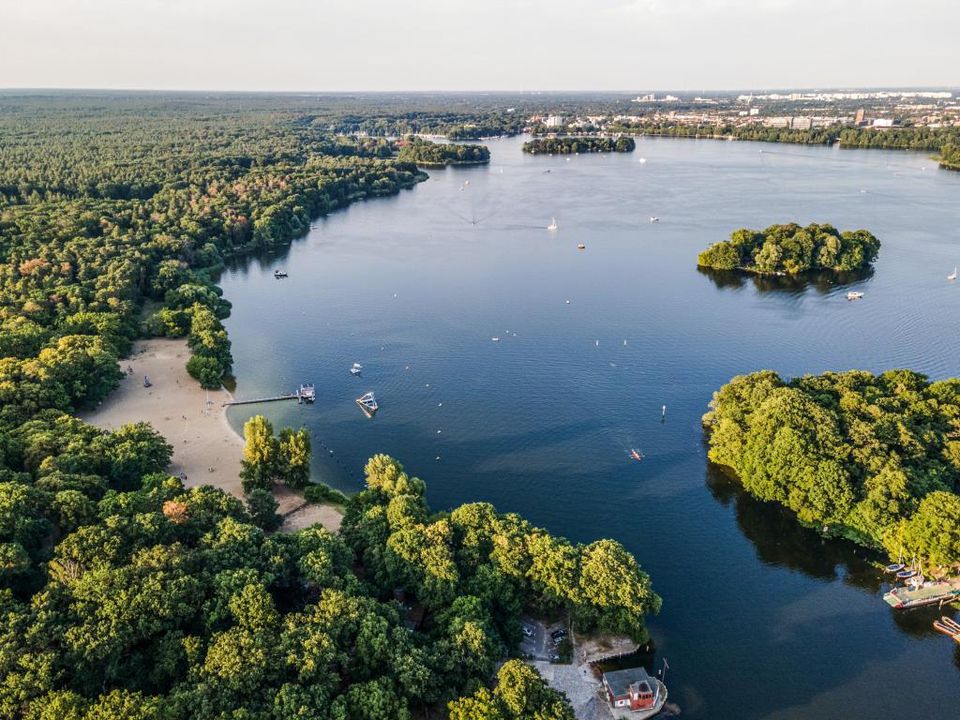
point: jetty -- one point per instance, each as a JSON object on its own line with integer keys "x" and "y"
{"x": 303, "y": 394}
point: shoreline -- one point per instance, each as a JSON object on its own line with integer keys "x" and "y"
{"x": 206, "y": 448}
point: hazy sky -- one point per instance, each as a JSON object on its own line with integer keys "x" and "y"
{"x": 478, "y": 45}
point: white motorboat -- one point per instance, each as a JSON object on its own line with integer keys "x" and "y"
{"x": 853, "y": 295}
{"x": 368, "y": 403}
{"x": 553, "y": 225}
{"x": 356, "y": 369}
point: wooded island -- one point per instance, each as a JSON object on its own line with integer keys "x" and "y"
{"x": 430, "y": 154}
{"x": 572, "y": 145}
{"x": 791, "y": 249}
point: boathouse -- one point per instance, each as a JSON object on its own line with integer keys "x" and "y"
{"x": 630, "y": 689}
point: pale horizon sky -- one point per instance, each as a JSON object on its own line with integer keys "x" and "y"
{"x": 450, "y": 45}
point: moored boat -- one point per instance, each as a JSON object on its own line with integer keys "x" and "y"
{"x": 306, "y": 394}
{"x": 279, "y": 274}
{"x": 949, "y": 627}
{"x": 368, "y": 403}
{"x": 356, "y": 369}
{"x": 853, "y": 295}
{"x": 636, "y": 454}
{"x": 953, "y": 275}
{"x": 894, "y": 567}
{"x": 928, "y": 593}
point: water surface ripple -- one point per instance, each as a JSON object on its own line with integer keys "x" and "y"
{"x": 761, "y": 619}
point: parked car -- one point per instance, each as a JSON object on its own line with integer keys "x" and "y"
{"x": 527, "y": 631}
{"x": 558, "y": 634}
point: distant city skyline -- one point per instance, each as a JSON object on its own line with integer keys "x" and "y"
{"x": 499, "y": 45}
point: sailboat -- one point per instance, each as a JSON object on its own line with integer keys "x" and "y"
{"x": 953, "y": 275}
{"x": 368, "y": 403}
{"x": 553, "y": 224}
{"x": 356, "y": 369}
{"x": 636, "y": 454}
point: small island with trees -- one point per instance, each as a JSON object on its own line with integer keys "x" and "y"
{"x": 950, "y": 157}
{"x": 425, "y": 153}
{"x": 873, "y": 458}
{"x": 574, "y": 145}
{"x": 791, "y": 249}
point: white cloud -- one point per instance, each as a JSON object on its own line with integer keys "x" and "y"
{"x": 464, "y": 44}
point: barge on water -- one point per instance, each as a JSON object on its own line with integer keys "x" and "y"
{"x": 927, "y": 593}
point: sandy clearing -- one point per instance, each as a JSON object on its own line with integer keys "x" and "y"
{"x": 194, "y": 421}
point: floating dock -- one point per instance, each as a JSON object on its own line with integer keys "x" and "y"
{"x": 303, "y": 394}
{"x": 929, "y": 593}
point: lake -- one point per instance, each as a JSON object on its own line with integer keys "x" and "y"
{"x": 761, "y": 618}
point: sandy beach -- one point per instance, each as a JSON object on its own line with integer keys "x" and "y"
{"x": 205, "y": 448}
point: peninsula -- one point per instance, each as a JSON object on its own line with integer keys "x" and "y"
{"x": 874, "y": 458}
{"x": 791, "y": 249}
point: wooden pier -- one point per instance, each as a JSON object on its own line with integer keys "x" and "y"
{"x": 303, "y": 394}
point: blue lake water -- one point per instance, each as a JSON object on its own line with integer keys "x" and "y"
{"x": 761, "y": 619}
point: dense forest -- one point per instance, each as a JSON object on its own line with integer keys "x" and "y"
{"x": 127, "y": 595}
{"x": 162, "y": 602}
{"x": 875, "y": 458}
{"x": 430, "y": 154}
{"x": 790, "y": 249}
{"x": 572, "y": 145}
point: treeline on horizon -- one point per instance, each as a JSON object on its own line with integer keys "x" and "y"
{"x": 896, "y": 138}
{"x": 126, "y": 595}
{"x": 578, "y": 144}
{"x": 873, "y": 458}
{"x": 790, "y": 249}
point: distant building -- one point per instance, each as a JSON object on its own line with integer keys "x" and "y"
{"x": 754, "y": 111}
{"x": 801, "y": 123}
{"x": 777, "y": 122}
{"x": 632, "y": 689}
{"x": 883, "y": 123}
{"x": 553, "y": 121}
{"x": 861, "y": 117}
